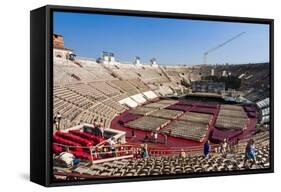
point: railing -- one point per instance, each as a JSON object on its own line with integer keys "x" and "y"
{"x": 102, "y": 151}
{"x": 177, "y": 150}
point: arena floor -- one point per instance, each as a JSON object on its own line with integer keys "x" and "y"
{"x": 213, "y": 133}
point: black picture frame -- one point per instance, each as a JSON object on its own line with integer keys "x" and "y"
{"x": 41, "y": 82}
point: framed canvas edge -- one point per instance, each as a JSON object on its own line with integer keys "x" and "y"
{"x": 49, "y": 85}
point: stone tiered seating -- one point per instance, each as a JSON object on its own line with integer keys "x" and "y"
{"x": 263, "y": 103}
{"x": 256, "y": 96}
{"x": 96, "y": 69}
{"x": 173, "y": 164}
{"x": 125, "y": 71}
{"x": 174, "y": 75}
{"x": 77, "y": 73}
{"x": 114, "y": 104}
{"x": 103, "y": 110}
{"x": 139, "y": 84}
{"x": 61, "y": 77}
{"x": 163, "y": 90}
{"x": 105, "y": 88}
{"x": 72, "y": 97}
{"x": 125, "y": 86}
{"x": 67, "y": 110}
{"x": 161, "y": 104}
{"x": 148, "y": 123}
{"x": 87, "y": 91}
{"x": 87, "y": 117}
{"x": 119, "y": 97}
{"x": 167, "y": 165}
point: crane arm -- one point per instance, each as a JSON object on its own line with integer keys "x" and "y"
{"x": 222, "y": 44}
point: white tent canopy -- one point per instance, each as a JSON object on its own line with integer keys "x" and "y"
{"x": 128, "y": 102}
{"x": 139, "y": 98}
{"x": 150, "y": 95}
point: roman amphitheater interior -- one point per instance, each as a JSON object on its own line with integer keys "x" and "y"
{"x": 186, "y": 105}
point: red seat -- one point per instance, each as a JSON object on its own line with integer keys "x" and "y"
{"x": 66, "y": 142}
{"x": 57, "y": 149}
{"x": 95, "y": 139}
{"x": 75, "y": 138}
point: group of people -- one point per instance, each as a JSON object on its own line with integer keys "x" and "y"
{"x": 144, "y": 151}
{"x": 112, "y": 146}
{"x": 154, "y": 138}
{"x": 227, "y": 147}
{"x": 100, "y": 127}
{"x": 250, "y": 152}
{"x": 233, "y": 147}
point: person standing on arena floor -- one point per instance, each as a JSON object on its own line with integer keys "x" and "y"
{"x": 146, "y": 138}
{"x": 207, "y": 149}
{"x": 133, "y": 133}
{"x": 144, "y": 151}
{"x": 155, "y": 137}
{"x": 165, "y": 139}
{"x": 182, "y": 154}
{"x": 152, "y": 136}
{"x": 224, "y": 147}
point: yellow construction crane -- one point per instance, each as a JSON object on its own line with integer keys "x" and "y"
{"x": 219, "y": 46}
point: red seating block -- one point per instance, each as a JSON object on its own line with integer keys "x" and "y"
{"x": 75, "y": 138}
{"x": 94, "y": 138}
{"x": 66, "y": 142}
{"x": 57, "y": 149}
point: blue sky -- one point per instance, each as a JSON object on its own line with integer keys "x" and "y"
{"x": 170, "y": 41}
